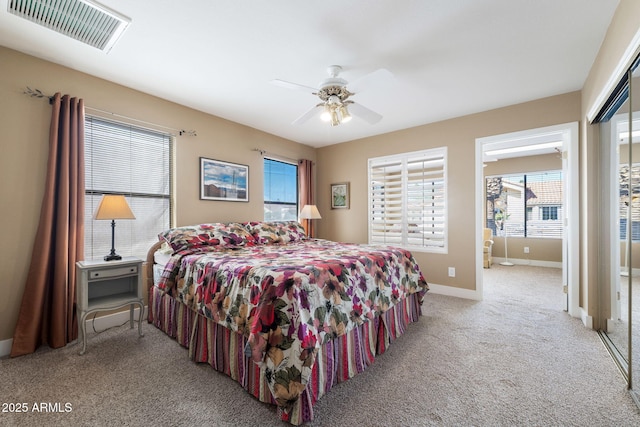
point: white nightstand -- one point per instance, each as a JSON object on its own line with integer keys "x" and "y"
{"x": 108, "y": 285}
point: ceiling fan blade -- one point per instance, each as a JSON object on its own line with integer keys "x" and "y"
{"x": 306, "y": 116}
{"x": 294, "y": 86}
{"x": 378, "y": 79}
{"x": 364, "y": 113}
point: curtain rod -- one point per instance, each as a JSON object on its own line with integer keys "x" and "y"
{"x": 37, "y": 93}
{"x": 263, "y": 152}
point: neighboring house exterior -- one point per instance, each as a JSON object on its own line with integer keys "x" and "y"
{"x": 537, "y": 215}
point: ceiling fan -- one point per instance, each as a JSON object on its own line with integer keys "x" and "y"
{"x": 336, "y": 106}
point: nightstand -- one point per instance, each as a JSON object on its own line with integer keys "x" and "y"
{"x": 108, "y": 285}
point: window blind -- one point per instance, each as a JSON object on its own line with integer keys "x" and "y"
{"x": 136, "y": 162}
{"x": 280, "y": 191}
{"x": 407, "y": 200}
{"x": 525, "y": 205}
{"x": 624, "y": 200}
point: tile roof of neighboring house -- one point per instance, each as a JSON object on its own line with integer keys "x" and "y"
{"x": 544, "y": 193}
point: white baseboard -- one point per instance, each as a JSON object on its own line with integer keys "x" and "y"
{"x": 586, "y": 319}
{"x": 454, "y": 292}
{"x": 101, "y": 323}
{"x": 531, "y": 262}
{"x": 634, "y": 271}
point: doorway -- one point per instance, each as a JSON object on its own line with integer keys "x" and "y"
{"x": 560, "y": 141}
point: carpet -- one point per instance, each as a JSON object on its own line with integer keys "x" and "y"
{"x": 515, "y": 358}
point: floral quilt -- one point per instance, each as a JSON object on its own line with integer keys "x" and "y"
{"x": 289, "y": 299}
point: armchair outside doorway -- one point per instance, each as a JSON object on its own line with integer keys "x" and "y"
{"x": 487, "y": 244}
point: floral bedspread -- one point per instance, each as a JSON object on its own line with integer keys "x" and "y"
{"x": 290, "y": 299}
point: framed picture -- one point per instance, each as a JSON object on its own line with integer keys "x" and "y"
{"x": 223, "y": 181}
{"x": 340, "y": 195}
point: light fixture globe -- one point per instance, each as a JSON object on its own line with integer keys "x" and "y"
{"x": 345, "y": 117}
{"x": 326, "y": 114}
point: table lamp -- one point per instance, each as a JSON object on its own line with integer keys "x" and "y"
{"x": 310, "y": 212}
{"x": 113, "y": 206}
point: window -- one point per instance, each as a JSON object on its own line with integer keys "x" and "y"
{"x": 407, "y": 200}
{"x": 549, "y": 213}
{"x": 623, "y": 201}
{"x": 525, "y": 205}
{"x": 280, "y": 191}
{"x": 136, "y": 162}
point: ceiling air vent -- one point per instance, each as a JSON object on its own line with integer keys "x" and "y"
{"x": 83, "y": 20}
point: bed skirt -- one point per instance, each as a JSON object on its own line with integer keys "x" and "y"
{"x": 336, "y": 361}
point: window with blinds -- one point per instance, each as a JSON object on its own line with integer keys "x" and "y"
{"x": 624, "y": 200}
{"x": 136, "y": 162}
{"x": 280, "y": 191}
{"x": 525, "y": 205}
{"x": 408, "y": 200}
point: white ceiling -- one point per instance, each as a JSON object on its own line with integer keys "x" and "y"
{"x": 449, "y": 57}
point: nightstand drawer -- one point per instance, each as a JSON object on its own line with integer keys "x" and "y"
{"x": 113, "y": 272}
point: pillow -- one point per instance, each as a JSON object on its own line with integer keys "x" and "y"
{"x": 295, "y": 231}
{"x": 216, "y": 234}
{"x": 276, "y": 232}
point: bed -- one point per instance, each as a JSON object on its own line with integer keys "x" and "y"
{"x": 284, "y": 315}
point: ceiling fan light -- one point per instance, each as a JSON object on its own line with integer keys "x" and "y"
{"x": 344, "y": 114}
{"x": 335, "y": 118}
{"x": 326, "y": 114}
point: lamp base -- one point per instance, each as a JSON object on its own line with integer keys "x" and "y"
{"x": 112, "y": 257}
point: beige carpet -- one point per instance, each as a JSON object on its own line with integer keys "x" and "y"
{"x": 513, "y": 359}
{"x": 619, "y": 328}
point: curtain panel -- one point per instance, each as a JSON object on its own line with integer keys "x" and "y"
{"x": 47, "y": 313}
{"x": 305, "y": 186}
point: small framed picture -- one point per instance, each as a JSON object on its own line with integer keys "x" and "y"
{"x": 223, "y": 181}
{"x": 340, "y": 195}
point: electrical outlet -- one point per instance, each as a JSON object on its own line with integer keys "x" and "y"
{"x": 526, "y": 249}
{"x": 452, "y": 272}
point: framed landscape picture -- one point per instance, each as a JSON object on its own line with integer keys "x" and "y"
{"x": 223, "y": 181}
{"x": 340, "y": 195}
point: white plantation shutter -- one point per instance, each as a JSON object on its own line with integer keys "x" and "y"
{"x": 385, "y": 211}
{"x": 407, "y": 200}
{"x": 136, "y": 162}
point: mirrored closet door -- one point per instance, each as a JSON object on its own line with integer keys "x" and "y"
{"x": 619, "y": 126}
{"x": 633, "y": 278}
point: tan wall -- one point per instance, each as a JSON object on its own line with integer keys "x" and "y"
{"x": 546, "y": 250}
{"x": 594, "y": 270}
{"x": 539, "y": 249}
{"x": 348, "y": 162}
{"x": 24, "y": 150}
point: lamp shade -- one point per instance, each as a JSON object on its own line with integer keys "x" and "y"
{"x": 113, "y": 206}
{"x": 310, "y": 212}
